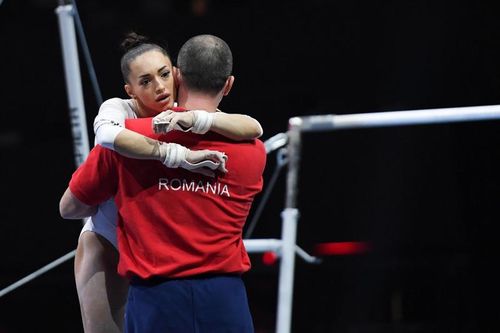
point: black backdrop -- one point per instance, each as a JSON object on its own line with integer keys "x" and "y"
{"x": 425, "y": 197}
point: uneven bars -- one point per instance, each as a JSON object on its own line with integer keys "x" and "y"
{"x": 319, "y": 123}
{"x": 332, "y": 122}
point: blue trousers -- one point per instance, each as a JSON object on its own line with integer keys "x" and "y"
{"x": 216, "y": 304}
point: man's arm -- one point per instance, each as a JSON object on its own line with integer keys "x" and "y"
{"x": 92, "y": 183}
{"x": 71, "y": 208}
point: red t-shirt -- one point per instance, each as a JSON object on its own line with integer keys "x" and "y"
{"x": 172, "y": 222}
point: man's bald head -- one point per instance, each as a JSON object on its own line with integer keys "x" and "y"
{"x": 205, "y": 62}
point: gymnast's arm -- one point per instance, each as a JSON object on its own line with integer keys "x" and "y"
{"x": 71, "y": 208}
{"x": 236, "y": 126}
{"x": 110, "y": 131}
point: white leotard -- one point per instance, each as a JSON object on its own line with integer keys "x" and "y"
{"x": 108, "y": 123}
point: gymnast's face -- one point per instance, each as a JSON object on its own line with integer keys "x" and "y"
{"x": 151, "y": 83}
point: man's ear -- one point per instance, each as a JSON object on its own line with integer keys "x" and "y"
{"x": 228, "y": 85}
{"x": 129, "y": 90}
{"x": 176, "y": 83}
{"x": 177, "y": 76}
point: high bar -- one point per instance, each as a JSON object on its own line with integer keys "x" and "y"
{"x": 332, "y": 122}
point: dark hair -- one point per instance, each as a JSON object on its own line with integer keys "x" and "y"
{"x": 205, "y": 62}
{"x": 133, "y": 45}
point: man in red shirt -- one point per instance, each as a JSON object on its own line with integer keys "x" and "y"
{"x": 180, "y": 233}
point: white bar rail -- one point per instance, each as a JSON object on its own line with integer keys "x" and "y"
{"x": 396, "y": 118}
{"x": 330, "y": 122}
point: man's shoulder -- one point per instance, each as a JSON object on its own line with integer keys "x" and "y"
{"x": 248, "y": 152}
{"x": 258, "y": 146}
{"x": 100, "y": 151}
{"x": 251, "y": 144}
{"x": 142, "y": 126}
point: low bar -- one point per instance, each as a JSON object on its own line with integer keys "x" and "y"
{"x": 262, "y": 245}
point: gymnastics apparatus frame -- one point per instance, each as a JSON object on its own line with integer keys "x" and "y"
{"x": 285, "y": 247}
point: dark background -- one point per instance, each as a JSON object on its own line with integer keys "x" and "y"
{"x": 426, "y": 197}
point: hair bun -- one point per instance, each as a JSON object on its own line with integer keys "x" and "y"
{"x": 133, "y": 40}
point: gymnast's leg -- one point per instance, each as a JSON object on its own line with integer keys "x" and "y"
{"x": 102, "y": 293}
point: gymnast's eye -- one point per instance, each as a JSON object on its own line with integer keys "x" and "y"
{"x": 165, "y": 74}
{"x": 144, "y": 82}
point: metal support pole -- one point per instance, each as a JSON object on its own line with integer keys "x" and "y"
{"x": 287, "y": 265}
{"x": 73, "y": 82}
{"x": 289, "y": 217}
{"x": 294, "y": 147}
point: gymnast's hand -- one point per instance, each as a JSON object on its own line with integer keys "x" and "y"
{"x": 207, "y": 160}
{"x": 203, "y": 161}
{"x": 196, "y": 121}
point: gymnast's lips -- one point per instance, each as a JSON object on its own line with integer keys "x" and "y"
{"x": 162, "y": 98}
